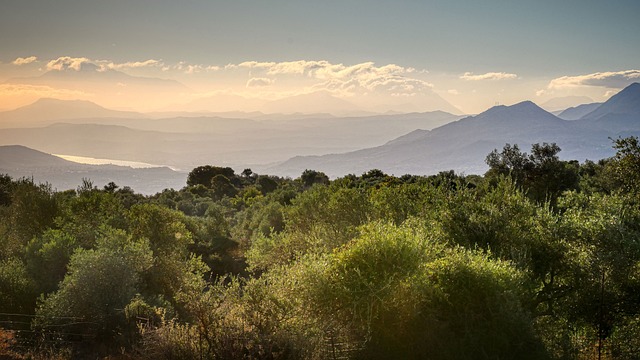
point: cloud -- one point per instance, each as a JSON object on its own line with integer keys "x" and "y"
{"x": 134, "y": 64}
{"x": 24, "y": 61}
{"x": 187, "y": 68}
{"x": 259, "y": 82}
{"x": 453, "y": 92}
{"x": 488, "y": 76}
{"x": 345, "y": 80}
{"x": 301, "y": 76}
{"x": 609, "y": 79}
{"x": 323, "y": 69}
{"x": 75, "y": 63}
{"x": 67, "y": 62}
{"x": 342, "y": 79}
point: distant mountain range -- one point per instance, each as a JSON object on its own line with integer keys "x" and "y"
{"x": 20, "y": 161}
{"x": 187, "y": 141}
{"x": 464, "y": 144}
{"x": 416, "y": 143}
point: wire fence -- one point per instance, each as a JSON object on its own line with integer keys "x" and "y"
{"x": 337, "y": 348}
{"x": 23, "y": 332}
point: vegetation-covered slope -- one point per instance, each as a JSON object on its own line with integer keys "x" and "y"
{"x": 536, "y": 259}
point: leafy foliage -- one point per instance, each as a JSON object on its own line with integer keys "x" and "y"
{"x": 540, "y": 258}
{"x": 542, "y": 174}
{"x": 100, "y": 281}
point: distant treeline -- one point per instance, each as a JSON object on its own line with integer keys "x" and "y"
{"x": 537, "y": 259}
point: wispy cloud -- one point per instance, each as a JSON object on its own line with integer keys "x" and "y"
{"x": 134, "y": 64}
{"x": 322, "y": 69}
{"x": 345, "y": 80}
{"x": 259, "y": 82}
{"x": 609, "y": 79}
{"x": 182, "y": 66}
{"x": 277, "y": 78}
{"x": 75, "y": 63}
{"x": 188, "y": 68}
{"x": 24, "y": 60}
{"x": 339, "y": 78}
{"x": 488, "y": 76}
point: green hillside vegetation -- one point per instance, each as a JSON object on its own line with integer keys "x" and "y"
{"x": 537, "y": 259}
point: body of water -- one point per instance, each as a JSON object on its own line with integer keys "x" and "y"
{"x": 94, "y": 161}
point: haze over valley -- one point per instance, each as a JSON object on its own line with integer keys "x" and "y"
{"x": 413, "y": 143}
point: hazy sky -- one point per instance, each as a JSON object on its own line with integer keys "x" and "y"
{"x": 471, "y": 53}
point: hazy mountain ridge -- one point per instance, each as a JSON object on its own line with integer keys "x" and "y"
{"x": 315, "y": 102}
{"x": 577, "y": 112}
{"x": 626, "y": 102}
{"x": 186, "y": 142}
{"x": 564, "y": 102}
{"x": 418, "y": 143}
{"x": 462, "y": 145}
{"x": 620, "y": 113}
{"x": 46, "y": 110}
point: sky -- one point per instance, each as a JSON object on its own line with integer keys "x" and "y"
{"x": 402, "y": 55}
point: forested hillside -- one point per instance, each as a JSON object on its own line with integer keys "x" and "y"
{"x": 537, "y": 259}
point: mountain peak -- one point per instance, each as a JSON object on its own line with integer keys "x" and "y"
{"x": 47, "y": 109}
{"x": 527, "y": 104}
{"x": 46, "y": 102}
{"x": 634, "y": 86}
{"x": 522, "y": 108}
{"x": 626, "y": 102}
{"x": 314, "y": 102}
{"x": 525, "y": 113}
{"x": 632, "y": 90}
